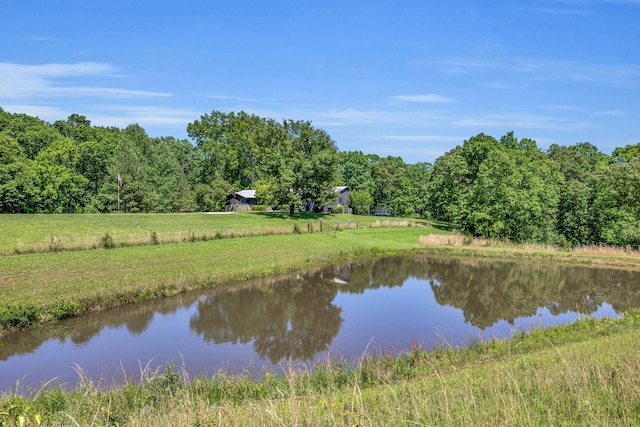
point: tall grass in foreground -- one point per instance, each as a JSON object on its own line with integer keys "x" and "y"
{"x": 585, "y": 373}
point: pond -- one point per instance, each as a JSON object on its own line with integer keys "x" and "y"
{"x": 388, "y": 304}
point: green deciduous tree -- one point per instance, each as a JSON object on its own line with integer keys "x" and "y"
{"x": 419, "y": 175}
{"x": 228, "y": 143}
{"x": 392, "y": 187}
{"x": 616, "y": 204}
{"x": 578, "y": 165}
{"x": 361, "y": 202}
{"x": 61, "y": 187}
{"x": 31, "y": 133}
{"x": 135, "y": 193}
{"x": 12, "y": 162}
{"x": 626, "y": 154}
{"x": 505, "y": 190}
{"x": 355, "y": 171}
{"x": 514, "y": 197}
{"x": 449, "y": 187}
{"x": 212, "y": 197}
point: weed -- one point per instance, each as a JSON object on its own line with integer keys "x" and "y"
{"x": 55, "y": 244}
{"x": 63, "y": 309}
{"x": 107, "y": 241}
{"x": 19, "y": 415}
{"x": 19, "y": 315}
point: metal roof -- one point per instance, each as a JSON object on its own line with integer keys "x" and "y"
{"x": 247, "y": 194}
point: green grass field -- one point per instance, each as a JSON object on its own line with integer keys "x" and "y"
{"x": 45, "y": 233}
{"x": 585, "y": 373}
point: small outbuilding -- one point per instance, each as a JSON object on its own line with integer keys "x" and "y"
{"x": 241, "y": 201}
{"x": 342, "y": 198}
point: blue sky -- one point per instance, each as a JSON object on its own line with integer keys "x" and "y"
{"x": 407, "y": 78}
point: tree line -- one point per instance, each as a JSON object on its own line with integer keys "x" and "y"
{"x": 505, "y": 189}
{"x": 510, "y": 189}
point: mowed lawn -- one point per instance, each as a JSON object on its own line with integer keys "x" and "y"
{"x": 43, "y": 233}
{"x": 40, "y": 278}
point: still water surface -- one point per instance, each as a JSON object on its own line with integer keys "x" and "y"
{"x": 386, "y": 304}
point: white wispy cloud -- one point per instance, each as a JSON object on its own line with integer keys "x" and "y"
{"x": 522, "y": 121}
{"x": 611, "y": 113}
{"x": 146, "y": 116}
{"x": 121, "y": 116}
{"x": 44, "y": 112}
{"x": 232, "y": 98}
{"x": 549, "y": 70}
{"x": 327, "y": 117}
{"x": 417, "y": 138}
{"x": 556, "y": 11}
{"x": 429, "y": 98}
{"x": 44, "y": 38}
{"x": 577, "y": 110}
{"x": 351, "y": 116}
{"x": 506, "y": 86}
{"x": 19, "y": 81}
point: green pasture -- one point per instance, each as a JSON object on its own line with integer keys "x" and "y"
{"x": 45, "y": 233}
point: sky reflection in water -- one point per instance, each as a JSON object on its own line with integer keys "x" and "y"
{"x": 386, "y": 304}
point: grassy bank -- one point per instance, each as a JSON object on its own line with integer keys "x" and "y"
{"x": 38, "y": 287}
{"x": 585, "y": 373}
{"x": 42, "y": 286}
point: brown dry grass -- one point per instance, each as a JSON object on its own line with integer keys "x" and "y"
{"x": 460, "y": 240}
{"x": 451, "y": 240}
{"x": 389, "y": 223}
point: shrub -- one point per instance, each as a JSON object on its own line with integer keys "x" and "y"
{"x": 107, "y": 241}
{"x": 63, "y": 309}
{"x": 259, "y": 208}
{"x": 361, "y": 202}
{"x": 19, "y": 315}
{"x": 563, "y": 243}
{"x": 336, "y": 209}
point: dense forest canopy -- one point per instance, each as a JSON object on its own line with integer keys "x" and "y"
{"x": 505, "y": 189}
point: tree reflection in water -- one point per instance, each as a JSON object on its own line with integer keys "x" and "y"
{"x": 490, "y": 291}
{"x": 295, "y": 317}
{"x": 292, "y": 320}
